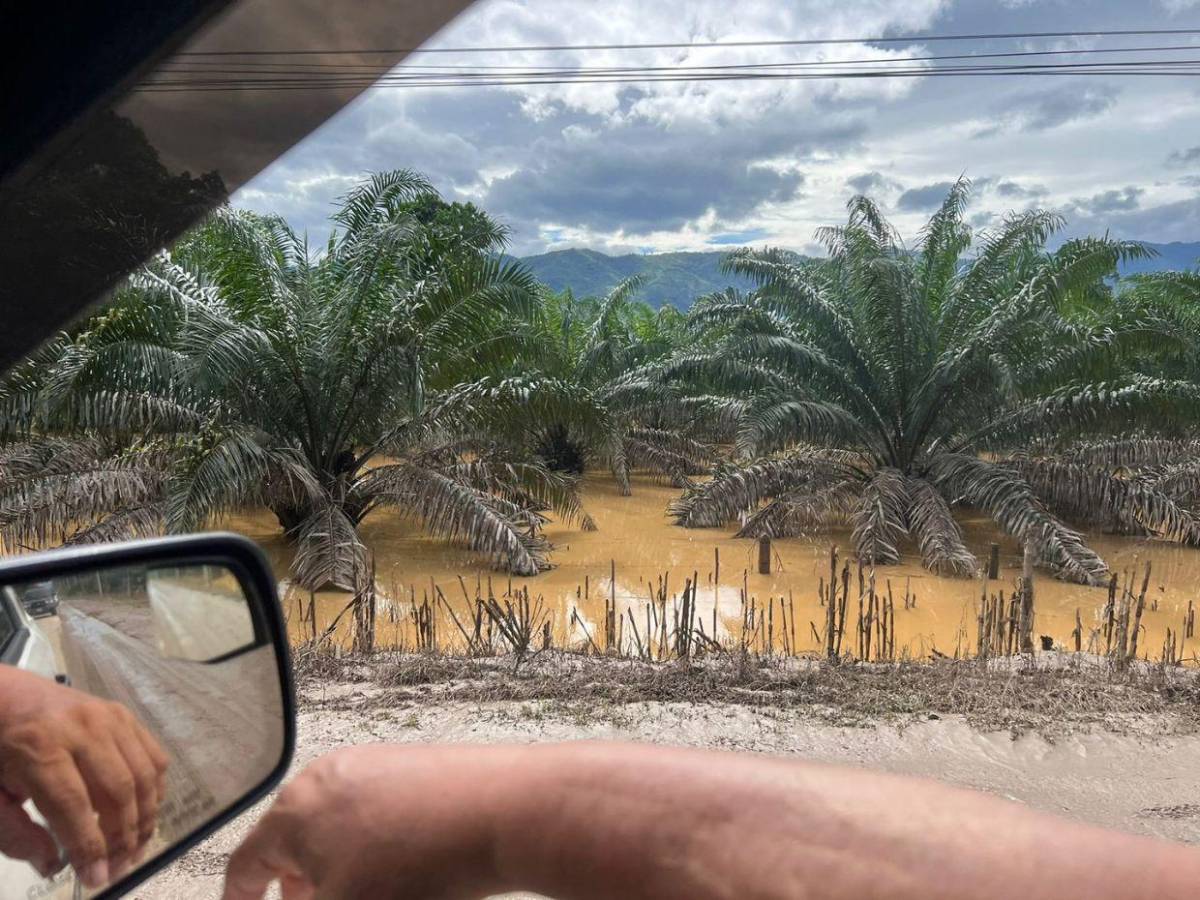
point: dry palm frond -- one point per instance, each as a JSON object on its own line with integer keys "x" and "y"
{"x": 735, "y": 491}
{"x": 529, "y": 486}
{"x": 1010, "y": 500}
{"x": 669, "y": 453}
{"x": 1180, "y": 481}
{"x": 1094, "y": 495}
{"x": 802, "y": 512}
{"x": 124, "y": 525}
{"x": 328, "y": 551}
{"x": 458, "y": 511}
{"x": 78, "y": 486}
{"x": 1135, "y": 453}
{"x": 938, "y": 535}
{"x": 879, "y": 520}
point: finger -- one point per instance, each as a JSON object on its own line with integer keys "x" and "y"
{"x": 262, "y": 857}
{"x": 145, "y": 780}
{"x": 113, "y": 791}
{"x": 9, "y": 793}
{"x": 154, "y": 750}
{"x": 22, "y": 838}
{"x": 57, "y": 789}
{"x": 296, "y": 887}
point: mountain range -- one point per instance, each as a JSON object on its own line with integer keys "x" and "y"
{"x": 678, "y": 278}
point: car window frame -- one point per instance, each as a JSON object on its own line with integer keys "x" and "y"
{"x": 12, "y": 644}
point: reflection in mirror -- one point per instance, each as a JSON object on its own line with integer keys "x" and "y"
{"x": 178, "y": 649}
{"x": 199, "y": 612}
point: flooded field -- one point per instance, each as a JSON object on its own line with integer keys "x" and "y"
{"x": 636, "y": 539}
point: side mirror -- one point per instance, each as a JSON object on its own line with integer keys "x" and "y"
{"x": 187, "y": 635}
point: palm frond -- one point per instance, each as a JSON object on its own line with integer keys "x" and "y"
{"x": 329, "y": 551}
{"x": 457, "y": 511}
{"x": 380, "y": 197}
{"x": 235, "y": 472}
{"x": 1095, "y": 495}
{"x": 803, "y": 512}
{"x": 1009, "y": 499}
{"x": 42, "y": 505}
{"x": 735, "y": 491}
{"x": 879, "y": 519}
{"x": 930, "y": 520}
{"x": 133, "y": 523}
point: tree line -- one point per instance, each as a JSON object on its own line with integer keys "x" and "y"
{"x": 406, "y": 365}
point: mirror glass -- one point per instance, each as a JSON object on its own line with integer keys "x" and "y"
{"x": 181, "y": 650}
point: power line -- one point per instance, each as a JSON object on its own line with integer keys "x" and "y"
{"x": 672, "y": 45}
{"x": 201, "y": 67}
{"x": 310, "y": 82}
{"x": 448, "y": 84}
{"x": 651, "y": 74}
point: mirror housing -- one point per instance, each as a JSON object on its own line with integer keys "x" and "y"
{"x": 184, "y": 585}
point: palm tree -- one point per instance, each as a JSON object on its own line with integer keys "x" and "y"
{"x": 242, "y": 368}
{"x": 883, "y": 386}
{"x": 611, "y": 350}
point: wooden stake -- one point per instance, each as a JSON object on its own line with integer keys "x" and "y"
{"x": 1027, "y": 599}
{"x": 1137, "y": 616}
{"x": 831, "y": 608}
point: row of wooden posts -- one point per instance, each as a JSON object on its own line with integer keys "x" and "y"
{"x": 1121, "y": 622}
{"x": 1006, "y": 626}
{"x": 669, "y": 624}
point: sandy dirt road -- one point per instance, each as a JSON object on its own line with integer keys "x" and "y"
{"x": 206, "y": 716}
{"x": 198, "y": 623}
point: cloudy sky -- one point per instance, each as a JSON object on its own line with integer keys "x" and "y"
{"x": 700, "y": 166}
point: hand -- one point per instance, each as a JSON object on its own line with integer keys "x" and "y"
{"x": 94, "y": 772}
{"x": 380, "y": 820}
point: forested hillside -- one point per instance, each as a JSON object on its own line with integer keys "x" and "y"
{"x": 678, "y": 278}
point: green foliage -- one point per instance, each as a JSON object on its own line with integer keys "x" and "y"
{"x": 267, "y": 374}
{"x": 409, "y": 365}
{"x": 613, "y": 350}
{"x": 930, "y": 372}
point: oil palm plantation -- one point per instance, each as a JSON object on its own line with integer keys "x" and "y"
{"x": 886, "y": 385}
{"x": 611, "y": 350}
{"x": 243, "y": 368}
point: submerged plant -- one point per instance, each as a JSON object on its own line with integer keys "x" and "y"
{"x": 883, "y": 386}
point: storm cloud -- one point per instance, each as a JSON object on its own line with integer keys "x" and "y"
{"x": 1043, "y": 110}
{"x": 873, "y": 183}
{"x": 1184, "y": 158}
{"x": 1114, "y": 200}
{"x": 691, "y": 165}
{"x": 929, "y": 196}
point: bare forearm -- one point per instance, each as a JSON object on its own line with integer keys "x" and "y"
{"x": 611, "y": 820}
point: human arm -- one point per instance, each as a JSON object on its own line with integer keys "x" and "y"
{"x": 583, "y": 821}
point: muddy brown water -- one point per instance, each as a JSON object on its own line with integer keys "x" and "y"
{"x": 637, "y": 536}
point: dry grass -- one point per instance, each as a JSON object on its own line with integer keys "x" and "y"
{"x": 1058, "y": 695}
